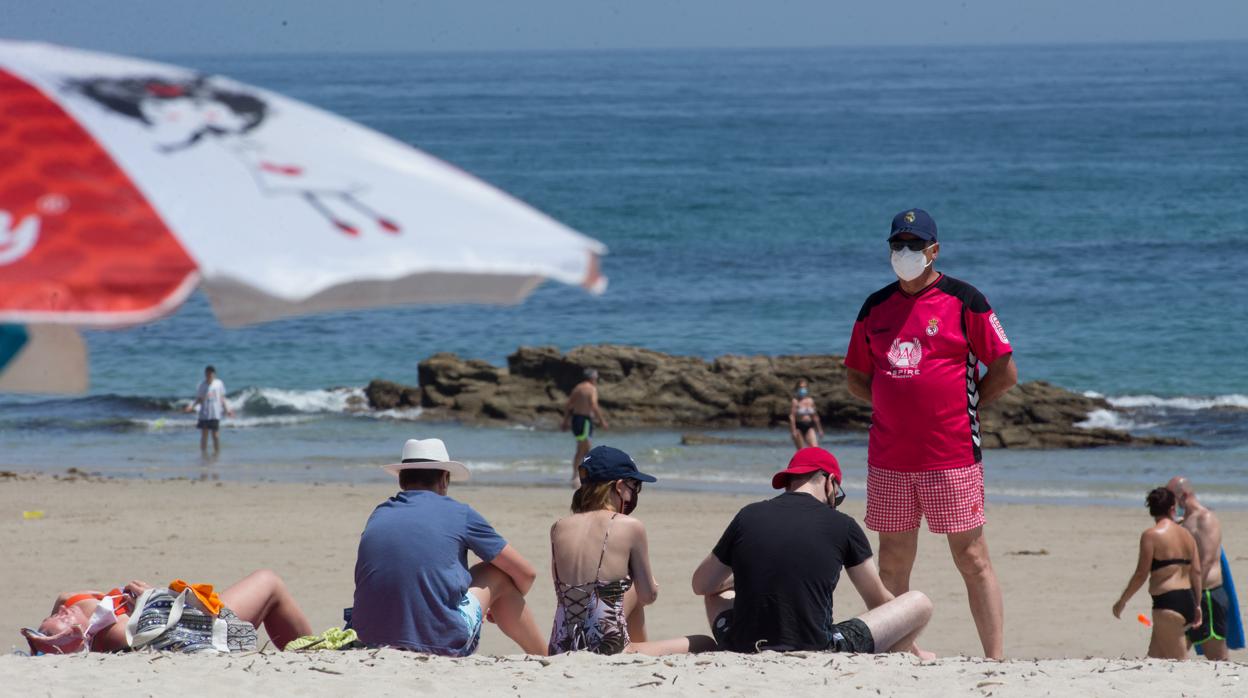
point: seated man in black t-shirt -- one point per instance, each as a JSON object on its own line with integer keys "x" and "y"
{"x": 769, "y": 581}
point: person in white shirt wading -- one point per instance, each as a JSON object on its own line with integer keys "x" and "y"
{"x": 210, "y": 401}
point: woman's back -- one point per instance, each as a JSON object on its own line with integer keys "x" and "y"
{"x": 593, "y": 546}
{"x": 590, "y": 555}
{"x": 1174, "y": 550}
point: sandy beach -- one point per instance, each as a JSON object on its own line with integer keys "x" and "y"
{"x": 1061, "y": 569}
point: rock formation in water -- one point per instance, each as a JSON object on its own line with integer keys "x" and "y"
{"x": 644, "y": 388}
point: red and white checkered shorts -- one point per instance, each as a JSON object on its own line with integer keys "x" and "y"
{"x": 952, "y": 500}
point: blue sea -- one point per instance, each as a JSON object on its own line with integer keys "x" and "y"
{"x": 1098, "y": 195}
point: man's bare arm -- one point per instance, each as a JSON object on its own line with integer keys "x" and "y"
{"x": 711, "y": 577}
{"x": 595, "y": 410}
{"x": 513, "y": 564}
{"x": 859, "y": 383}
{"x": 866, "y": 579}
{"x": 1001, "y": 376}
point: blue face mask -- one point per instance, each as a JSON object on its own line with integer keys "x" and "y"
{"x": 802, "y": 392}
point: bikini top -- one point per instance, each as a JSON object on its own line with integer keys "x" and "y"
{"x": 1158, "y": 564}
{"x": 805, "y": 411}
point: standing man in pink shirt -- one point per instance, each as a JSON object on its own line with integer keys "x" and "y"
{"x": 914, "y": 355}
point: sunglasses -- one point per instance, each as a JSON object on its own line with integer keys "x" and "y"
{"x": 635, "y": 487}
{"x": 912, "y": 245}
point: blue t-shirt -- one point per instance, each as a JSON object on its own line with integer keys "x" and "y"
{"x": 412, "y": 571}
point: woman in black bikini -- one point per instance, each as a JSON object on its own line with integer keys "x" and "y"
{"x": 804, "y": 424}
{"x": 1171, "y": 564}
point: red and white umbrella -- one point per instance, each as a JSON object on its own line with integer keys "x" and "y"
{"x": 125, "y": 184}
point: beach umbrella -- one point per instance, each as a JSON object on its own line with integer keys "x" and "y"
{"x": 126, "y": 184}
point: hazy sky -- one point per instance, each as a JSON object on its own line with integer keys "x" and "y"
{"x": 267, "y": 26}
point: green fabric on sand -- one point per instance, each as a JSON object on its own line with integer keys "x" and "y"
{"x": 332, "y": 639}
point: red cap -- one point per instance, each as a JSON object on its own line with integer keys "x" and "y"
{"x": 808, "y": 460}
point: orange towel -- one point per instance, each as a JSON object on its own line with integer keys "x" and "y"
{"x": 203, "y": 592}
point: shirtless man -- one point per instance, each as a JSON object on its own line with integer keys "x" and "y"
{"x": 1205, "y": 528}
{"x": 580, "y": 414}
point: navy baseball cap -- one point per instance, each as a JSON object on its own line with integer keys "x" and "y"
{"x": 915, "y": 221}
{"x": 605, "y": 464}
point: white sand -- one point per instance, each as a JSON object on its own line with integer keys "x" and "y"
{"x": 96, "y": 534}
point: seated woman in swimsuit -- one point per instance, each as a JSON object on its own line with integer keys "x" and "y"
{"x": 804, "y": 424}
{"x": 1170, "y": 563}
{"x": 601, "y": 565}
{"x": 96, "y": 621}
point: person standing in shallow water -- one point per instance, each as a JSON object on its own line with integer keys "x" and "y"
{"x": 579, "y": 414}
{"x": 914, "y": 355}
{"x": 212, "y": 405}
{"x": 804, "y": 424}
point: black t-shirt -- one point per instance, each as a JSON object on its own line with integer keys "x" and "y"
{"x": 786, "y": 556}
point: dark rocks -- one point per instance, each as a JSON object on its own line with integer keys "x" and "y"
{"x": 644, "y": 388}
{"x": 387, "y": 395}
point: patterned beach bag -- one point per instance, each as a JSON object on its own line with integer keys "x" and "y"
{"x": 181, "y": 622}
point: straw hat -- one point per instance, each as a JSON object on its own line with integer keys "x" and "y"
{"x": 428, "y": 454}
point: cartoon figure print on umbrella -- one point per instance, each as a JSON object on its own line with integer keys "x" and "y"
{"x": 182, "y": 114}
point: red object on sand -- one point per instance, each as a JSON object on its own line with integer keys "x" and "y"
{"x": 1144, "y": 619}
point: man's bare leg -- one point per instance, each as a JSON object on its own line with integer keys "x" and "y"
{"x": 506, "y": 606}
{"x": 970, "y": 554}
{"x": 896, "y": 559}
{"x": 582, "y": 450}
{"x": 216, "y": 442}
{"x": 717, "y": 604}
{"x": 897, "y": 624}
{"x": 1215, "y": 650}
{"x": 203, "y": 441}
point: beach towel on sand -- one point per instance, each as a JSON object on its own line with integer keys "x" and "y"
{"x": 181, "y": 622}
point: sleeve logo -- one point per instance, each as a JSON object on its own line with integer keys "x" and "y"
{"x": 996, "y": 325}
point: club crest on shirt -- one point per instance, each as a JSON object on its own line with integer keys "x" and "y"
{"x": 996, "y": 325}
{"x": 904, "y": 357}
{"x": 933, "y": 326}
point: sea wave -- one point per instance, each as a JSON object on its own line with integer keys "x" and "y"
{"x": 233, "y": 423}
{"x": 271, "y": 401}
{"x": 1109, "y": 419}
{"x": 1189, "y": 403}
{"x": 398, "y": 414}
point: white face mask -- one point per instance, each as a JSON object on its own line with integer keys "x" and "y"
{"x": 909, "y": 265}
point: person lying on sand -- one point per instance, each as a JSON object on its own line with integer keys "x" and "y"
{"x": 769, "y": 581}
{"x": 600, "y": 562}
{"x": 1170, "y": 562}
{"x": 139, "y": 615}
{"x": 413, "y": 587}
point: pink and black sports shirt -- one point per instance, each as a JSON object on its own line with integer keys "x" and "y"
{"x": 923, "y": 354}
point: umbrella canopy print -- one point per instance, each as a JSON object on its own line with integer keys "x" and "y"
{"x": 125, "y": 184}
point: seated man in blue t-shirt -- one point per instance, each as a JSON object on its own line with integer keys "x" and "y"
{"x": 413, "y": 587}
